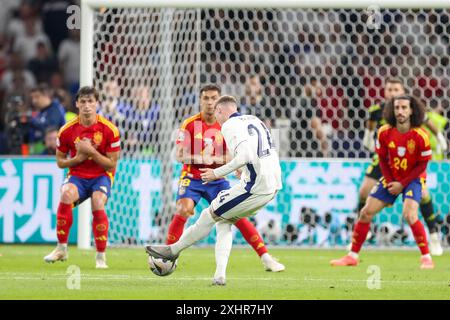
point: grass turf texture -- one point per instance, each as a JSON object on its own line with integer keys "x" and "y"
{"x": 308, "y": 275}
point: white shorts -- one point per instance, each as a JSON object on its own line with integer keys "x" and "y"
{"x": 236, "y": 203}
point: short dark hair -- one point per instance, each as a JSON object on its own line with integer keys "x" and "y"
{"x": 394, "y": 80}
{"x": 50, "y": 129}
{"x": 418, "y": 111}
{"x": 87, "y": 91}
{"x": 42, "y": 88}
{"x": 226, "y": 99}
{"x": 210, "y": 87}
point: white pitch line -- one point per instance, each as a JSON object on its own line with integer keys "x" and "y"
{"x": 35, "y": 276}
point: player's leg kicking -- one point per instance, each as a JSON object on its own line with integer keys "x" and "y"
{"x": 228, "y": 207}
{"x": 189, "y": 194}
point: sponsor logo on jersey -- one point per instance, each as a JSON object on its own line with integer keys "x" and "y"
{"x": 409, "y": 193}
{"x": 401, "y": 151}
{"x": 392, "y": 145}
{"x": 411, "y": 145}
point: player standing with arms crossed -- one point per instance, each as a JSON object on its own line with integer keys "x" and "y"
{"x": 94, "y": 147}
{"x": 250, "y": 142}
{"x": 404, "y": 151}
{"x": 199, "y": 145}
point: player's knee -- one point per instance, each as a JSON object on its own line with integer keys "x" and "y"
{"x": 98, "y": 203}
{"x": 366, "y": 214}
{"x": 185, "y": 212}
{"x": 410, "y": 217}
{"x": 68, "y": 195}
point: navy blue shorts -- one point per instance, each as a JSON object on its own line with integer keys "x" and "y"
{"x": 195, "y": 189}
{"x": 87, "y": 186}
{"x": 412, "y": 191}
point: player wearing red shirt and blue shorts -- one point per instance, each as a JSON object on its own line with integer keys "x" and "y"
{"x": 200, "y": 144}
{"x": 93, "y": 145}
{"x": 404, "y": 151}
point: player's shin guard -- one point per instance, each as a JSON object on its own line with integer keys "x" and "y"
{"x": 176, "y": 228}
{"x": 100, "y": 229}
{"x": 427, "y": 210}
{"x": 421, "y": 237}
{"x": 359, "y": 235}
{"x": 194, "y": 233}
{"x": 63, "y": 222}
{"x": 251, "y": 235}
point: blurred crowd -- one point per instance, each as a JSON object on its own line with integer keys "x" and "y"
{"x": 39, "y": 74}
{"x": 311, "y": 74}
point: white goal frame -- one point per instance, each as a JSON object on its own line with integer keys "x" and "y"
{"x": 87, "y": 42}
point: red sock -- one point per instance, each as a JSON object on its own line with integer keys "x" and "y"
{"x": 421, "y": 237}
{"x": 359, "y": 235}
{"x": 176, "y": 228}
{"x": 100, "y": 229}
{"x": 63, "y": 222}
{"x": 251, "y": 235}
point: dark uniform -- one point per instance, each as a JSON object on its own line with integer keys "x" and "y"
{"x": 376, "y": 114}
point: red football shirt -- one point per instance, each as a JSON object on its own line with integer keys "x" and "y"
{"x": 403, "y": 150}
{"x": 195, "y": 135}
{"x": 103, "y": 135}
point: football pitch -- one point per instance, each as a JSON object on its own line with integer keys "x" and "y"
{"x": 380, "y": 275}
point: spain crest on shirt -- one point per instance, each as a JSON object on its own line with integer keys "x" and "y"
{"x": 98, "y": 137}
{"x": 401, "y": 151}
{"x": 411, "y": 145}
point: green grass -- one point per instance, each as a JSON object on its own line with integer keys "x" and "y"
{"x": 24, "y": 275}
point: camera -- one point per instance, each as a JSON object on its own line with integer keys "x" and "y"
{"x": 17, "y": 123}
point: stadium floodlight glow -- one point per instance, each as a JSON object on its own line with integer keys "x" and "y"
{"x": 167, "y": 47}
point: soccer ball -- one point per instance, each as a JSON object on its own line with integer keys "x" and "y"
{"x": 161, "y": 267}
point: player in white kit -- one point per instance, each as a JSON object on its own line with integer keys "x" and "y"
{"x": 255, "y": 157}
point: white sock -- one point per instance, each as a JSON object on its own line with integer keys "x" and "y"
{"x": 224, "y": 242}
{"x": 62, "y": 246}
{"x": 426, "y": 256}
{"x": 194, "y": 233}
{"x": 353, "y": 254}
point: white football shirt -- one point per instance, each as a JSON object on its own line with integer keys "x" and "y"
{"x": 247, "y": 135}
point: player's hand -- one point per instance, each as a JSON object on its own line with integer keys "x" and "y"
{"x": 395, "y": 188}
{"x": 85, "y": 146}
{"x": 208, "y": 175}
{"x": 80, "y": 157}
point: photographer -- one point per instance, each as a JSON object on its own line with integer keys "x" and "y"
{"x": 17, "y": 125}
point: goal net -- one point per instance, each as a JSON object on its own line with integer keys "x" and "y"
{"x": 312, "y": 74}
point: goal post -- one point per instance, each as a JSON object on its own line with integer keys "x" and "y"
{"x": 157, "y": 53}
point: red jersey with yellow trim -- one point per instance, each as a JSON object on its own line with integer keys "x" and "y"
{"x": 404, "y": 150}
{"x": 198, "y": 137}
{"x": 103, "y": 135}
